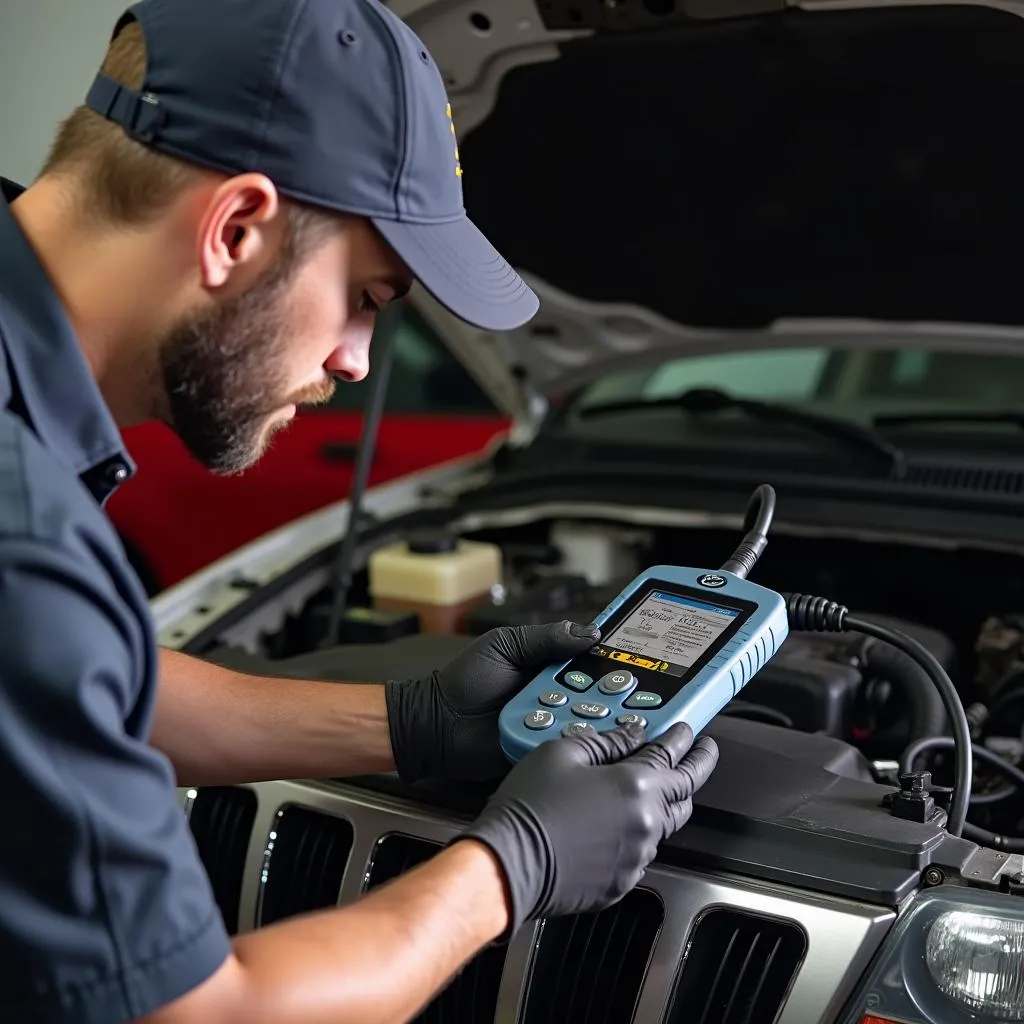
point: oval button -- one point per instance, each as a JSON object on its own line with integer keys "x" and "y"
{"x": 578, "y": 680}
{"x": 642, "y": 699}
{"x": 617, "y": 682}
{"x": 577, "y": 729}
{"x": 539, "y": 720}
{"x": 590, "y": 710}
{"x": 552, "y": 699}
{"x": 632, "y": 720}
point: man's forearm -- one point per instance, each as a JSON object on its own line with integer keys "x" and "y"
{"x": 220, "y": 727}
{"x": 378, "y": 961}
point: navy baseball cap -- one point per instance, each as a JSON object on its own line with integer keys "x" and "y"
{"x": 340, "y": 105}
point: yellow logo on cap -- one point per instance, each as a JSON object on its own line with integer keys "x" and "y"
{"x": 451, "y": 124}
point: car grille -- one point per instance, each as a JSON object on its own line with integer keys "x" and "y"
{"x": 221, "y": 819}
{"x": 591, "y": 967}
{"x": 737, "y": 969}
{"x": 683, "y": 948}
{"x": 304, "y": 863}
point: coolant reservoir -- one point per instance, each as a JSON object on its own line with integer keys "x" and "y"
{"x": 439, "y": 577}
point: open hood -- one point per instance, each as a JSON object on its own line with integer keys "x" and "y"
{"x": 686, "y": 176}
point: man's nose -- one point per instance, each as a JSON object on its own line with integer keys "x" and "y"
{"x": 350, "y": 363}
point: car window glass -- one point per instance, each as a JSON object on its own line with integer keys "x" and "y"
{"x": 958, "y": 377}
{"x": 425, "y": 377}
{"x": 781, "y": 374}
{"x": 778, "y": 374}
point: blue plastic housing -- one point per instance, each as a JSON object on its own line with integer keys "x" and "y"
{"x": 694, "y": 695}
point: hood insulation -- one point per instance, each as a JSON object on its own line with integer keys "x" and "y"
{"x": 861, "y": 164}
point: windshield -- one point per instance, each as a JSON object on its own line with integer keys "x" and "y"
{"x": 851, "y": 381}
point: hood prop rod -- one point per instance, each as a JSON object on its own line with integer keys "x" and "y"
{"x": 382, "y": 349}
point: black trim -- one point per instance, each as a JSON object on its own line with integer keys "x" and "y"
{"x": 806, "y": 817}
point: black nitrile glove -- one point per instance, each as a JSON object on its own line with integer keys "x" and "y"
{"x": 446, "y": 726}
{"x": 576, "y": 823}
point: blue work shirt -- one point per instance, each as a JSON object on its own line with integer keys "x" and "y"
{"x": 106, "y": 912}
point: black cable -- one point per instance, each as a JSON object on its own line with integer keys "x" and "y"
{"x": 993, "y": 839}
{"x": 820, "y": 615}
{"x": 756, "y": 523}
{"x": 1009, "y": 771}
{"x": 981, "y": 799}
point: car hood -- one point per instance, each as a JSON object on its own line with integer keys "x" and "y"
{"x": 695, "y": 176}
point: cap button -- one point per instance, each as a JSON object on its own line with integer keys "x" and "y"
{"x": 347, "y": 37}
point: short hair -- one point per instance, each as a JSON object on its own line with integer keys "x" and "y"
{"x": 127, "y": 184}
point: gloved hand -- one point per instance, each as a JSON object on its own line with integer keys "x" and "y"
{"x": 577, "y": 821}
{"x": 446, "y": 726}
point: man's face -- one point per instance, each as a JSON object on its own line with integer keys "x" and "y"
{"x": 235, "y": 374}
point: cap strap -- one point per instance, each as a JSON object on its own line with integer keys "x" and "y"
{"x": 139, "y": 114}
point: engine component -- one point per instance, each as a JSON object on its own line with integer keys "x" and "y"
{"x": 1000, "y": 650}
{"x": 805, "y": 687}
{"x": 437, "y": 576}
{"x": 822, "y": 615}
{"x": 597, "y": 553}
{"x": 1000, "y": 677}
{"x": 560, "y": 596}
{"x": 375, "y": 626}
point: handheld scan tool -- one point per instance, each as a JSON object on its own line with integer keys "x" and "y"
{"x": 676, "y": 646}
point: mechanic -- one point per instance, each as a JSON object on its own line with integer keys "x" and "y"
{"x": 207, "y": 245}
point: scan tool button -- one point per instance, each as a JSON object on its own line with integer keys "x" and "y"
{"x": 632, "y": 720}
{"x": 552, "y": 699}
{"x": 539, "y": 720}
{"x": 578, "y": 681}
{"x": 642, "y": 699}
{"x": 618, "y": 681}
{"x": 590, "y": 710}
{"x": 577, "y": 729}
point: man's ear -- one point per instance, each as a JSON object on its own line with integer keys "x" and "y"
{"x": 239, "y": 231}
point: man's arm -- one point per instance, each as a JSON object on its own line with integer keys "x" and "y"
{"x": 378, "y": 961}
{"x": 536, "y": 851}
{"x": 109, "y": 915}
{"x": 219, "y": 727}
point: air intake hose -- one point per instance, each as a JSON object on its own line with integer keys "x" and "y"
{"x": 924, "y": 705}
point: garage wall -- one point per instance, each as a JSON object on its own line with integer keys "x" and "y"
{"x": 49, "y": 52}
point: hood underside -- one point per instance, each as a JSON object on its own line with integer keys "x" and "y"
{"x": 652, "y": 166}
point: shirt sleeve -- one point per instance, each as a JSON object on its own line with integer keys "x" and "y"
{"x": 106, "y": 912}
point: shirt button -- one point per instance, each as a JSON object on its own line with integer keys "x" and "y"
{"x": 117, "y": 473}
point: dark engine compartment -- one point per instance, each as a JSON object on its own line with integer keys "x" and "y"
{"x": 816, "y": 736}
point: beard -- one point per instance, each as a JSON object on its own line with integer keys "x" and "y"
{"x": 224, "y": 375}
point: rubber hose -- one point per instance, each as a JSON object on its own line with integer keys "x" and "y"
{"x": 926, "y": 713}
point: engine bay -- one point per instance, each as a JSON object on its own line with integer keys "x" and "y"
{"x": 858, "y": 693}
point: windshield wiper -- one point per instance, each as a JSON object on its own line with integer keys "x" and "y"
{"x": 1010, "y": 417}
{"x": 701, "y": 401}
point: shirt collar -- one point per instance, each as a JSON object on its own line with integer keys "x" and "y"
{"x": 58, "y": 390}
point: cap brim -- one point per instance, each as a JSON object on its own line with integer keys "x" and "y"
{"x": 463, "y": 271}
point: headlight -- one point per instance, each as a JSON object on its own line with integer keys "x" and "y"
{"x": 978, "y": 962}
{"x": 956, "y": 956}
